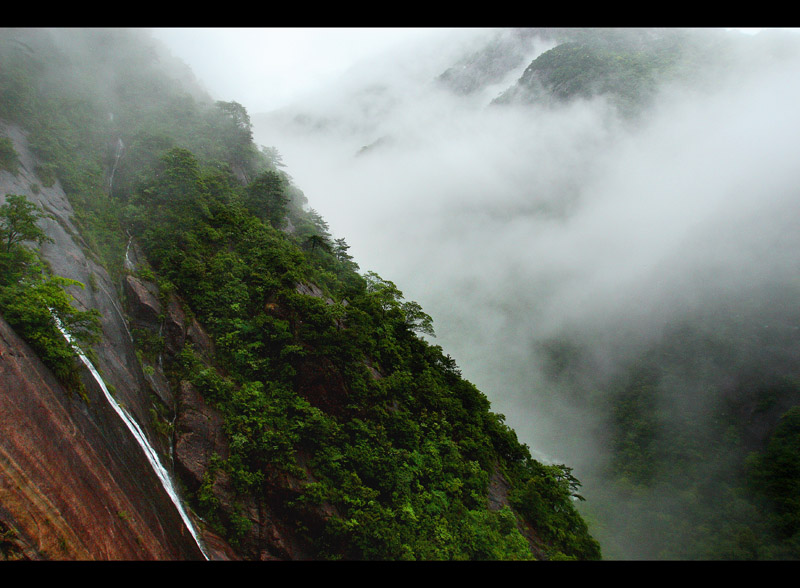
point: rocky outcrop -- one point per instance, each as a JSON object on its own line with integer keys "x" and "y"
{"x": 198, "y": 436}
{"x": 74, "y": 484}
{"x": 498, "y": 490}
{"x": 200, "y": 443}
{"x": 319, "y": 382}
{"x": 166, "y": 321}
{"x": 144, "y": 306}
{"x": 312, "y": 290}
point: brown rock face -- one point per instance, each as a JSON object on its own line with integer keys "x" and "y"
{"x": 319, "y": 382}
{"x": 198, "y": 436}
{"x": 174, "y": 327}
{"x": 143, "y": 302}
{"x": 67, "y": 257}
{"x": 73, "y": 482}
{"x": 498, "y": 490}
{"x": 147, "y": 313}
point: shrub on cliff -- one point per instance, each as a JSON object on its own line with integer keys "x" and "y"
{"x": 31, "y": 300}
{"x": 9, "y": 160}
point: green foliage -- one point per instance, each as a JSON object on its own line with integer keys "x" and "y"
{"x": 388, "y": 299}
{"x": 314, "y": 242}
{"x": 400, "y": 476}
{"x": 9, "y": 160}
{"x": 492, "y": 535}
{"x": 546, "y": 500}
{"x": 47, "y": 174}
{"x": 774, "y": 478}
{"x": 266, "y": 197}
{"x": 685, "y": 437}
{"x": 234, "y": 134}
{"x": 18, "y": 219}
{"x": 627, "y": 66}
{"x": 33, "y": 304}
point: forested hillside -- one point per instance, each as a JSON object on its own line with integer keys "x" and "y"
{"x": 604, "y": 222}
{"x": 340, "y": 423}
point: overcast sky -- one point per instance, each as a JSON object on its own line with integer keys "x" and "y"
{"x": 267, "y": 68}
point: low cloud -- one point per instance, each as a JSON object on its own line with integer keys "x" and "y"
{"x": 514, "y": 226}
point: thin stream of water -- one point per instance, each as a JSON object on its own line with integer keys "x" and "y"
{"x": 138, "y": 434}
{"x": 120, "y": 149}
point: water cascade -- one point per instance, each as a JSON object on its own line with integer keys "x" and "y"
{"x": 138, "y": 434}
{"x": 117, "y": 157}
{"x": 129, "y": 265}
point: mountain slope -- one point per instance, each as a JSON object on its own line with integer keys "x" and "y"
{"x": 307, "y": 415}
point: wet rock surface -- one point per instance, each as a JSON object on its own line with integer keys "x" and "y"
{"x": 198, "y": 436}
{"x": 73, "y": 482}
{"x": 69, "y": 256}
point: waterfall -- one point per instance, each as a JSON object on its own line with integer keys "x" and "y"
{"x": 120, "y": 149}
{"x": 129, "y": 265}
{"x": 138, "y": 434}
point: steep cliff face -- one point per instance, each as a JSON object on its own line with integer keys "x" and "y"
{"x": 70, "y": 257}
{"x": 200, "y": 439}
{"x": 75, "y": 483}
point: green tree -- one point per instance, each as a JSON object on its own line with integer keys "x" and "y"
{"x": 9, "y": 160}
{"x": 340, "y": 248}
{"x": 417, "y": 320}
{"x": 18, "y": 224}
{"x": 238, "y": 114}
{"x": 317, "y": 242}
{"x": 235, "y": 133}
{"x": 546, "y": 500}
{"x": 273, "y": 156}
{"x": 18, "y": 219}
{"x": 32, "y": 306}
{"x": 775, "y": 475}
{"x": 266, "y": 198}
{"x": 33, "y": 303}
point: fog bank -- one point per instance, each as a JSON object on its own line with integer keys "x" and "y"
{"x": 513, "y": 226}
